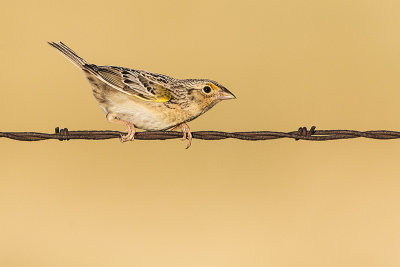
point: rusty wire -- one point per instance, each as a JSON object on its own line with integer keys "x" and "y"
{"x": 301, "y": 134}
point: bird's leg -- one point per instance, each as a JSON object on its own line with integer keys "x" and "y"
{"x": 186, "y": 133}
{"x": 130, "y": 136}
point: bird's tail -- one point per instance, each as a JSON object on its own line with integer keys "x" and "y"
{"x": 68, "y": 53}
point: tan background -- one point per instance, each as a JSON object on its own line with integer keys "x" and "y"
{"x": 333, "y": 64}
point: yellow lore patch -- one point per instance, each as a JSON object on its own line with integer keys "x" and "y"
{"x": 213, "y": 86}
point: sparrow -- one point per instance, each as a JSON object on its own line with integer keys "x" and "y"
{"x": 146, "y": 100}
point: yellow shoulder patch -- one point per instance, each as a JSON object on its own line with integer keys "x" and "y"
{"x": 162, "y": 95}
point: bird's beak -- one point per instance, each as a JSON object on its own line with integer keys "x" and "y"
{"x": 225, "y": 95}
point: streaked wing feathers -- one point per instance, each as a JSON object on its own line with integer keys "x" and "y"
{"x": 133, "y": 83}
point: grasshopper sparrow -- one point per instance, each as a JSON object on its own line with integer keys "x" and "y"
{"x": 145, "y": 100}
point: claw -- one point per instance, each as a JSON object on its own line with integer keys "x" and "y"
{"x": 189, "y": 140}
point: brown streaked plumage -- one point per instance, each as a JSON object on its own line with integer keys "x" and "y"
{"x": 145, "y": 100}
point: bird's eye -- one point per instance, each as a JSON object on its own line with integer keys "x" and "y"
{"x": 207, "y": 89}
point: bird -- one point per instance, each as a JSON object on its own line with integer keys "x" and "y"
{"x": 145, "y": 100}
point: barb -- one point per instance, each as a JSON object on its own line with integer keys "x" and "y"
{"x": 301, "y": 134}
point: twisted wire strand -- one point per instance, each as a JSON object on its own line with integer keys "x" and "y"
{"x": 301, "y": 134}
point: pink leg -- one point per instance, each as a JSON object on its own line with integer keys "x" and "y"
{"x": 130, "y": 136}
{"x": 186, "y": 133}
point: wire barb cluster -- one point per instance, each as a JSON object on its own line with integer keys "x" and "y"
{"x": 301, "y": 134}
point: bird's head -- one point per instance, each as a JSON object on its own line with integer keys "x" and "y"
{"x": 207, "y": 93}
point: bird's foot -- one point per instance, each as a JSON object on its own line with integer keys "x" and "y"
{"x": 186, "y": 133}
{"x": 130, "y": 136}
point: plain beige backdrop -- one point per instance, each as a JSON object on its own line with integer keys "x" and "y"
{"x": 333, "y": 64}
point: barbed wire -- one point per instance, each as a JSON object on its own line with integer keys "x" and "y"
{"x": 301, "y": 134}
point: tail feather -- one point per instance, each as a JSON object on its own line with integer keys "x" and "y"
{"x": 69, "y": 54}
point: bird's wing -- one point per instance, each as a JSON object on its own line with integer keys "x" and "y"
{"x": 131, "y": 82}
